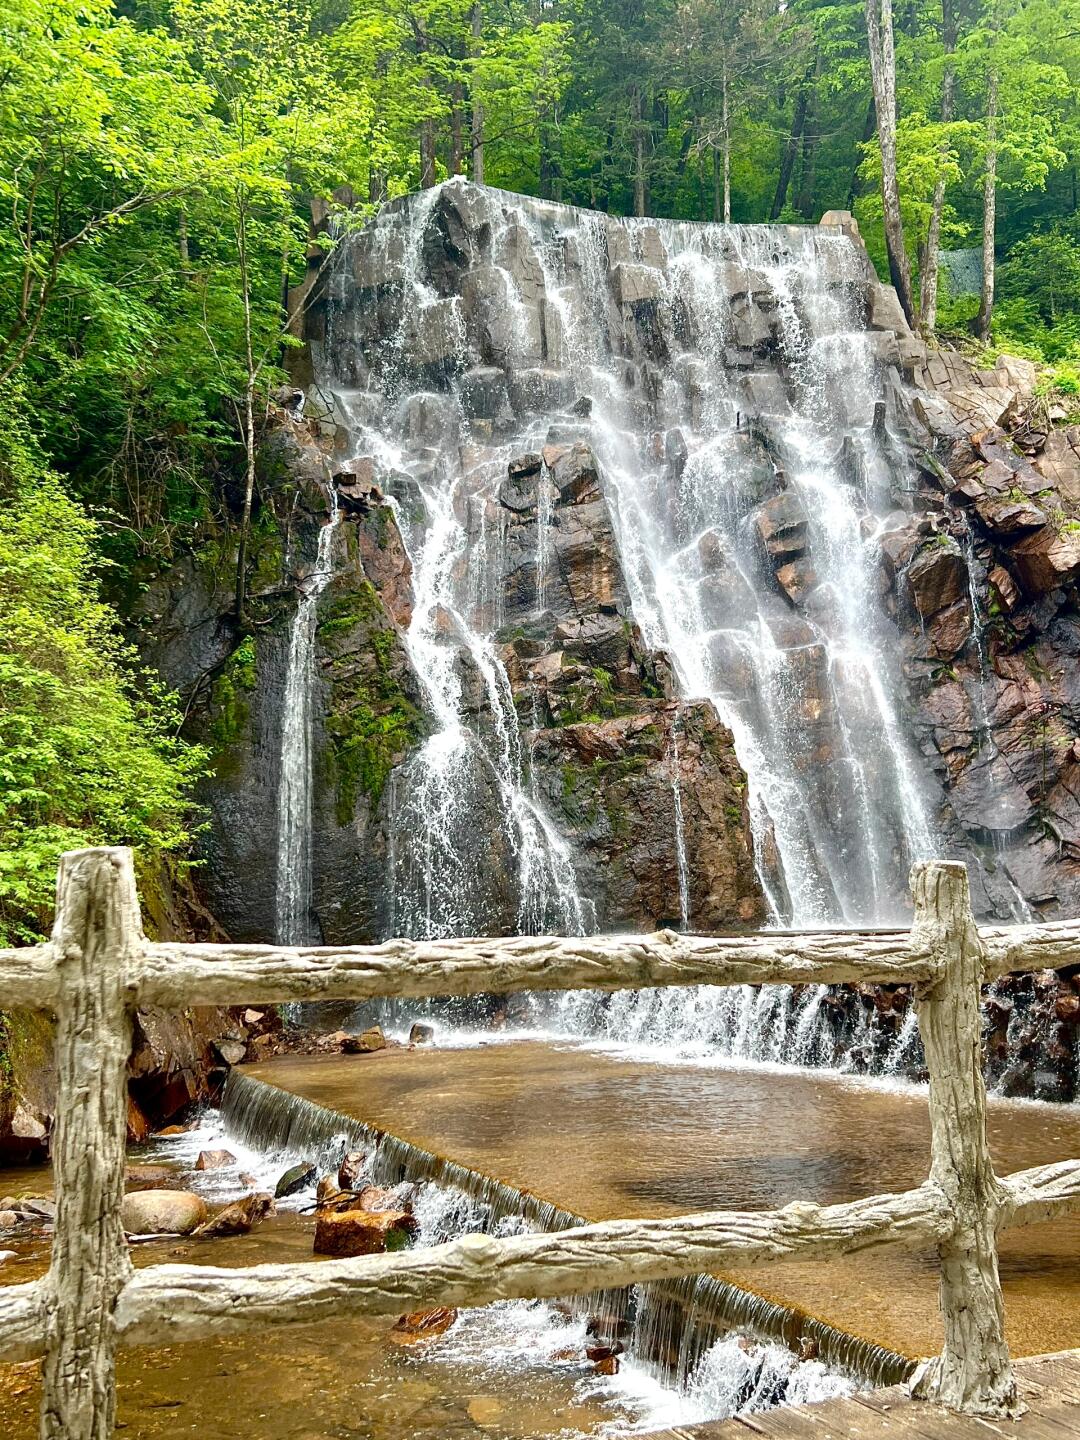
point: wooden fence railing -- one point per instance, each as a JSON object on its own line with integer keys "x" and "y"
{"x": 98, "y": 968}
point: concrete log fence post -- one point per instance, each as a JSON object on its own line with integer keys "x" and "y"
{"x": 97, "y": 937}
{"x": 973, "y": 1373}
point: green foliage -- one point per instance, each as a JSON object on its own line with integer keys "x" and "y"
{"x": 88, "y": 747}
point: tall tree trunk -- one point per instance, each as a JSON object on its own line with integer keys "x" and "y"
{"x": 476, "y": 22}
{"x": 869, "y": 126}
{"x": 248, "y": 414}
{"x": 717, "y": 185}
{"x": 725, "y": 125}
{"x": 811, "y": 138}
{"x": 427, "y": 127}
{"x": 879, "y": 29}
{"x": 986, "y": 301}
{"x": 638, "y": 122}
{"x": 457, "y": 129}
{"x": 185, "y": 254}
{"x": 791, "y": 149}
{"x": 928, "y": 278}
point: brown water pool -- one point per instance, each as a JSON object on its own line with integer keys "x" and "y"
{"x": 607, "y": 1137}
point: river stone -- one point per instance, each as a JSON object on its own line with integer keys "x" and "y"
{"x": 239, "y": 1217}
{"x": 421, "y": 1034}
{"x": 162, "y": 1212}
{"x": 363, "y": 1232}
{"x": 215, "y": 1159}
{"x": 366, "y": 1044}
{"x": 295, "y": 1179}
{"x": 350, "y": 1169}
{"x": 422, "y": 1325}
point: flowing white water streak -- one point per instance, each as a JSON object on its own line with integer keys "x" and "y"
{"x": 294, "y": 861}
{"x": 680, "y": 829}
{"x": 837, "y": 822}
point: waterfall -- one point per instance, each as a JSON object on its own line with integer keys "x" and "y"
{"x": 727, "y": 384}
{"x": 294, "y": 870}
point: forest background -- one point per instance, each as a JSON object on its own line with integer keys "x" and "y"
{"x": 157, "y": 166}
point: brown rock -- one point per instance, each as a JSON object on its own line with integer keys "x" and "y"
{"x": 937, "y": 575}
{"x": 608, "y": 1366}
{"x": 171, "y": 1130}
{"x": 1045, "y": 560}
{"x": 1004, "y": 516}
{"x": 239, "y": 1217}
{"x": 797, "y": 578}
{"x": 422, "y": 1325}
{"x": 349, "y": 1171}
{"x": 1004, "y": 588}
{"x": 362, "y": 1232}
{"x": 421, "y": 1034}
{"x": 162, "y": 1212}
{"x": 214, "y": 1159}
{"x": 366, "y": 1044}
{"x": 151, "y": 1177}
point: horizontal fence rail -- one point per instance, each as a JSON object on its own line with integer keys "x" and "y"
{"x": 98, "y": 967}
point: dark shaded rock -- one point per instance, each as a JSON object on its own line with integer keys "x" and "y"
{"x": 421, "y": 1034}
{"x": 295, "y": 1179}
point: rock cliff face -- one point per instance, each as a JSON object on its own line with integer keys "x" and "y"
{"x": 982, "y": 579}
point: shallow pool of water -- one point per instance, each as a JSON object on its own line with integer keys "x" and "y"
{"x": 610, "y": 1134}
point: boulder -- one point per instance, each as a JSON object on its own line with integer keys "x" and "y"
{"x": 363, "y": 1232}
{"x": 1046, "y": 560}
{"x": 540, "y": 391}
{"x": 635, "y": 283}
{"x": 574, "y": 470}
{"x": 782, "y": 525}
{"x": 796, "y": 579}
{"x": 422, "y": 1325}
{"x": 350, "y": 1169}
{"x": 1004, "y": 516}
{"x": 421, "y": 1034}
{"x": 239, "y": 1217}
{"x": 295, "y": 1179}
{"x": 232, "y": 1051}
{"x": 162, "y": 1212}
{"x": 214, "y": 1159}
{"x": 371, "y": 1040}
{"x": 937, "y": 575}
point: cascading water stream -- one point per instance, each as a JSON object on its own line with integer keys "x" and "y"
{"x": 294, "y": 861}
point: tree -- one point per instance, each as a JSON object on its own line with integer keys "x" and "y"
{"x": 879, "y": 30}
{"x": 98, "y": 122}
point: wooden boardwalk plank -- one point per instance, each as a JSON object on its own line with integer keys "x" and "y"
{"x": 1049, "y": 1386}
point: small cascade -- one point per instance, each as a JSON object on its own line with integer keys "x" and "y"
{"x": 670, "y": 1327}
{"x": 294, "y": 865}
